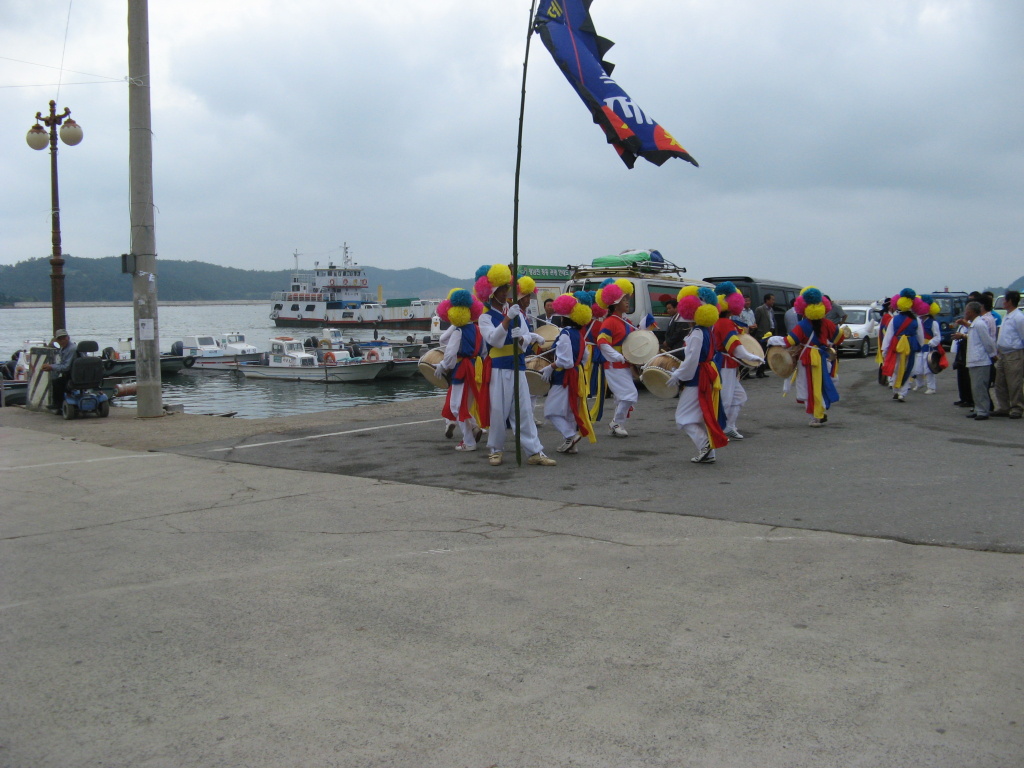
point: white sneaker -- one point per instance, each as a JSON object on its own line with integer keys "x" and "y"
{"x": 705, "y": 456}
{"x": 463, "y": 447}
{"x": 734, "y": 434}
{"x": 617, "y": 431}
{"x": 494, "y": 459}
{"x": 569, "y": 444}
{"x": 929, "y": 391}
{"x": 816, "y": 423}
{"x": 541, "y": 460}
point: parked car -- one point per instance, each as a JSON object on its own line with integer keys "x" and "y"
{"x": 655, "y": 281}
{"x": 757, "y": 288}
{"x": 862, "y": 320}
{"x": 951, "y": 306}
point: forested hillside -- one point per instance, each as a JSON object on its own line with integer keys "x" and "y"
{"x": 101, "y": 280}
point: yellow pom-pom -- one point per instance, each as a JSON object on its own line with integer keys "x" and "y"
{"x": 527, "y": 285}
{"x": 689, "y": 290}
{"x": 934, "y": 309}
{"x": 706, "y": 315}
{"x": 581, "y": 314}
{"x": 459, "y": 316}
{"x": 904, "y": 304}
{"x": 814, "y": 311}
{"x": 723, "y": 302}
{"x": 499, "y": 274}
{"x": 625, "y": 285}
{"x": 453, "y": 290}
{"x": 808, "y": 287}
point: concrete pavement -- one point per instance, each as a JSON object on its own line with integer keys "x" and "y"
{"x": 159, "y": 608}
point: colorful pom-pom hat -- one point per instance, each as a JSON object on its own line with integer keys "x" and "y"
{"x": 489, "y": 278}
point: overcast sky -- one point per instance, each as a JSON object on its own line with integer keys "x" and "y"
{"x": 859, "y": 146}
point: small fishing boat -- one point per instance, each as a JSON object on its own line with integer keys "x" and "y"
{"x": 120, "y": 362}
{"x": 216, "y": 354}
{"x": 400, "y": 363}
{"x": 288, "y": 360}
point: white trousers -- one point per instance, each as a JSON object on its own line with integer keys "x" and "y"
{"x": 620, "y": 382}
{"x": 557, "y": 410}
{"x": 690, "y": 418}
{"x": 733, "y": 396}
{"x": 921, "y": 367}
{"x": 503, "y": 409}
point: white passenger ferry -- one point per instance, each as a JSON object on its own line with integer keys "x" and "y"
{"x": 339, "y": 296}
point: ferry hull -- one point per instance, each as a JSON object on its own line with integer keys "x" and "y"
{"x": 403, "y": 324}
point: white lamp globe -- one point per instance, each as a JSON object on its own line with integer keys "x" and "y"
{"x": 37, "y": 137}
{"x": 70, "y": 132}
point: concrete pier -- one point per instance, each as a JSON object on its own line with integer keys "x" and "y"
{"x": 344, "y": 589}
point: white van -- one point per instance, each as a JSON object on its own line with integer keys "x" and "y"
{"x": 655, "y": 281}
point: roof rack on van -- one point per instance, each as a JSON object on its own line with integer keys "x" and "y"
{"x": 635, "y": 269}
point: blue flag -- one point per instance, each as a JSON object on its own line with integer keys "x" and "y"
{"x": 568, "y": 33}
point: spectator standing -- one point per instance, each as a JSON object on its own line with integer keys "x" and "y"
{"x": 60, "y": 369}
{"x": 1009, "y": 389}
{"x": 837, "y": 314}
{"x": 764, "y": 320}
{"x": 981, "y": 348}
{"x": 746, "y": 317}
{"x": 791, "y": 319}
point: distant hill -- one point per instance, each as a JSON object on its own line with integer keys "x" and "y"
{"x": 101, "y": 280}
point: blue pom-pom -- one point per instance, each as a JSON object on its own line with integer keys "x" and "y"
{"x": 726, "y": 289}
{"x": 482, "y": 271}
{"x": 812, "y": 296}
{"x": 583, "y": 297}
{"x": 608, "y": 281}
{"x": 908, "y": 293}
{"x": 461, "y": 298}
{"x": 927, "y": 298}
{"x": 707, "y": 295}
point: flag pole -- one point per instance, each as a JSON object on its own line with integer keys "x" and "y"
{"x": 515, "y": 239}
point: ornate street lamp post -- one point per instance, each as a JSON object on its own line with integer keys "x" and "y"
{"x": 37, "y": 138}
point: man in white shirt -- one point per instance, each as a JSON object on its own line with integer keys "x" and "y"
{"x": 981, "y": 348}
{"x": 1009, "y": 389}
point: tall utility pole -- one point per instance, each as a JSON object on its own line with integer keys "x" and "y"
{"x": 143, "y": 240}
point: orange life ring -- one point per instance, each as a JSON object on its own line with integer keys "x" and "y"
{"x": 373, "y": 355}
{"x": 329, "y": 358}
{"x": 345, "y": 281}
{"x": 332, "y": 281}
{"x": 364, "y": 281}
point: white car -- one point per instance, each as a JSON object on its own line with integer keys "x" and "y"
{"x": 862, "y": 320}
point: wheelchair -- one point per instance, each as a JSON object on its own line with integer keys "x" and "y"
{"x": 82, "y": 393}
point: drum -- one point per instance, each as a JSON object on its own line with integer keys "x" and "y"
{"x": 750, "y": 344}
{"x": 640, "y": 347}
{"x": 655, "y": 376}
{"x": 534, "y": 365}
{"x": 549, "y": 332}
{"x": 782, "y": 360}
{"x": 426, "y": 366}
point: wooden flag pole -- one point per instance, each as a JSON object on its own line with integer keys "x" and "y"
{"x": 515, "y": 241}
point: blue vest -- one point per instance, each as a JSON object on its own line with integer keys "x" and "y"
{"x": 558, "y": 377}
{"x": 706, "y": 354}
{"x": 501, "y": 357}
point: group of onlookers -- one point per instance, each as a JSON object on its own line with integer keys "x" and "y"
{"x": 988, "y": 353}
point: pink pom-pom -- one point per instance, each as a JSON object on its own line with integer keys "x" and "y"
{"x": 442, "y": 309}
{"x": 827, "y": 302}
{"x": 610, "y": 295}
{"x": 599, "y": 311}
{"x": 483, "y": 289}
{"x": 563, "y": 304}
{"x": 921, "y": 307}
{"x": 736, "y": 303}
{"x": 476, "y": 310}
{"x": 688, "y": 306}
{"x": 800, "y": 304}
{"x": 895, "y": 301}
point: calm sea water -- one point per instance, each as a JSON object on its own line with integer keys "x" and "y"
{"x": 212, "y": 392}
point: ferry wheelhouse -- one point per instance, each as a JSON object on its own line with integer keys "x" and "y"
{"x": 340, "y": 296}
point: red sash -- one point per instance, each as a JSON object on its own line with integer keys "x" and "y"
{"x": 705, "y": 396}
